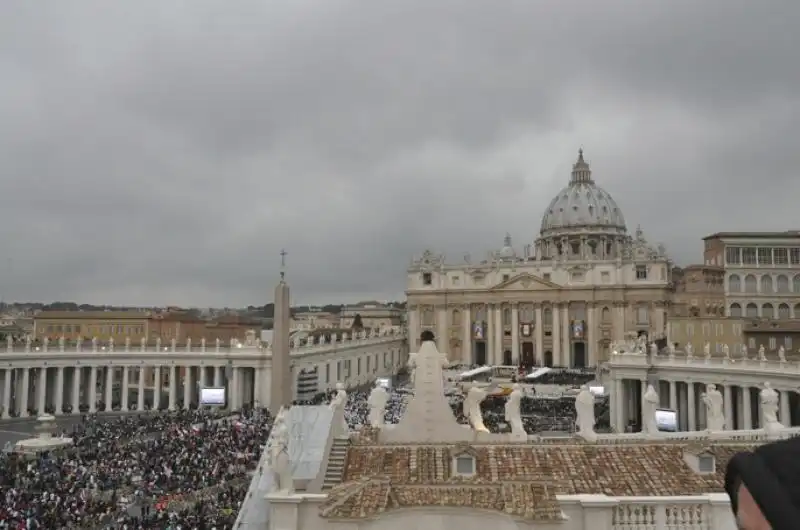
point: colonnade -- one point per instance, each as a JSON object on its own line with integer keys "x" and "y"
{"x": 61, "y": 390}
{"x": 741, "y": 404}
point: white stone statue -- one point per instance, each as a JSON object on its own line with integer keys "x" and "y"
{"x": 769, "y": 408}
{"x": 653, "y": 349}
{"x": 671, "y": 348}
{"x": 707, "y": 350}
{"x": 94, "y": 343}
{"x": 782, "y": 354}
{"x": 111, "y": 344}
{"x": 143, "y": 344}
{"x": 726, "y": 351}
{"x": 158, "y": 343}
{"x": 715, "y": 413}
{"x": 279, "y": 460}
{"x": 45, "y": 343}
{"x": 340, "y": 399}
{"x": 27, "y": 343}
{"x": 377, "y": 401}
{"x": 189, "y": 344}
{"x": 762, "y": 354}
{"x": 584, "y": 409}
{"x": 9, "y": 342}
{"x": 203, "y": 344}
{"x": 689, "y": 350}
{"x": 173, "y": 344}
{"x": 472, "y": 408}
{"x": 412, "y": 367}
{"x": 641, "y": 344}
{"x": 217, "y": 343}
{"x": 62, "y": 343}
{"x": 649, "y": 406}
{"x": 744, "y": 351}
{"x": 127, "y": 344}
{"x": 513, "y": 414}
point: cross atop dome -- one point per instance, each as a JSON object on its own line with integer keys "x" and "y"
{"x": 581, "y": 173}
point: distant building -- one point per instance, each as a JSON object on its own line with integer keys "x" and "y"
{"x": 699, "y": 291}
{"x": 715, "y": 330}
{"x": 374, "y": 315}
{"x": 85, "y": 325}
{"x": 313, "y": 319}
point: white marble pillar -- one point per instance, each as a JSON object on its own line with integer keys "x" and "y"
{"x": 156, "y": 387}
{"x": 187, "y": 387}
{"x": 258, "y": 374}
{"x": 617, "y": 397}
{"x": 746, "y": 408}
{"x": 515, "y": 353}
{"x": 7, "y": 393}
{"x": 124, "y": 390}
{"x": 727, "y": 401}
{"x": 497, "y": 357}
{"x": 413, "y": 329}
{"x": 218, "y": 376}
{"x": 442, "y": 341}
{"x": 58, "y": 401}
{"x": 236, "y": 388}
{"x": 140, "y": 395}
{"x": 76, "y": 390}
{"x": 93, "y": 390}
{"x": 23, "y": 397}
{"x": 466, "y": 347}
{"x": 691, "y": 405}
{"x": 785, "y": 417}
{"x": 565, "y": 336}
{"x": 592, "y": 354}
{"x": 673, "y": 395}
{"x": 556, "y": 335}
{"x": 539, "y": 330}
{"x": 41, "y": 390}
{"x": 619, "y": 321}
{"x": 109, "y": 397}
{"x": 173, "y": 386}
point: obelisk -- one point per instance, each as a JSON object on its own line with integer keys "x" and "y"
{"x": 281, "y": 383}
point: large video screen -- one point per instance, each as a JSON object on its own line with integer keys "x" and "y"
{"x": 666, "y": 420}
{"x": 212, "y": 396}
{"x": 597, "y": 391}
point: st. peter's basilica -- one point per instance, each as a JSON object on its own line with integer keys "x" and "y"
{"x": 584, "y": 283}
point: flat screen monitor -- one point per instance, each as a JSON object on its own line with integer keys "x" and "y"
{"x": 666, "y": 420}
{"x": 598, "y": 391}
{"x": 212, "y": 396}
{"x": 385, "y": 382}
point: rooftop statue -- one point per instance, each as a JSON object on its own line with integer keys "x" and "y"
{"x": 649, "y": 406}
{"x": 377, "y": 401}
{"x": 472, "y": 408}
{"x": 584, "y": 407}
{"x": 715, "y": 414}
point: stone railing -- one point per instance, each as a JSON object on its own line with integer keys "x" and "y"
{"x": 599, "y": 512}
{"x": 296, "y": 346}
{"x": 711, "y": 363}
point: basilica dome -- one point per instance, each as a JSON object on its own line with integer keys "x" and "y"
{"x": 582, "y": 206}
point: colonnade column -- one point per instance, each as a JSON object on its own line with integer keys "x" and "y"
{"x": 123, "y": 389}
{"x": 7, "y": 393}
{"x": 727, "y": 402}
{"x": 747, "y": 408}
{"x": 217, "y": 376}
{"x": 498, "y": 336}
{"x": 93, "y": 389}
{"x": 140, "y": 395}
{"x": 673, "y": 395}
{"x": 41, "y": 390}
{"x": 23, "y": 398}
{"x": 441, "y": 329}
{"x": 76, "y": 389}
{"x": 466, "y": 346}
{"x": 173, "y": 386}
{"x": 236, "y": 390}
{"x": 257, "y": 375}
{"x": 109, "y": 387}
{"x": 556, "y": 332}
{"x": 786, "y": 417}
{"x": 515, "y": 333}
{"x": 691, "y": 405}
{"x": 617, "y": 398}
{"x": 156, "y": 387}
{"x": 187, "y": 386}
{"x": 565, "y": 338}
{"x": 539, "y": 330}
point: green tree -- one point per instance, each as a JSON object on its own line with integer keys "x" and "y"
{"x": 357, "y": 324}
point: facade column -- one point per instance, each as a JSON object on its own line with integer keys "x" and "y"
{"x": 466, "y": 346}
{"x": 140, "y": 395}
{"x": 41, "y": 390}
{"x": 747, "y": 408}
{"x": 498, "y": 336}
{"x": 76, "y": 390}
{"x": 673, "y": 396}
{"x": 59, "y": 397}
{"x": 515, "y": 356}
{"x": 218, "y": 376}
{"x": 538, "y": 329}
{"x": 727, "y": 400}
{"x": 592, "y": 353}
{"x": 124, "y": 391}
{"x": 786, "y": 417}
{"x": 156, "y": 387}
{"x": 7, "y": 393}
{"x": 109, "y": 396}
{"x": 566, "y": 337}
{"x": 187, "y": 386}
{"x": 555, "y": 310}
{"x": 691, "y": 405}
{"x": 617, "y": 398}
{"x": 442, "y": 341}
{"x": 23, "y": 398}
{"x": 93, "y": 389}
{"x": 413, "y": 328}
{"x": 258, "y": 374}
{"x": 236, "y": 391}
{"x": 173, "y": 386}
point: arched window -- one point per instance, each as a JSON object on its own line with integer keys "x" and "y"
{"x": 783, "y": 312}
{"x": 426, "y": 316}
{"x": 734, "y": 283}
{"x": 480, "y": 314}
{"x": 605, "y": 315}
{"x": 456, "y": 318}
{"x": 783, "y": 284}
{"x": 751, "y": 311}
{"x": 767, "y": 311}
{"x": 796, "y": 284}
{"x": 750, "y": 284}
{"x": 736, "y": 310}
{"x": 796, "y": 311}
{"x": 766, "y": 283}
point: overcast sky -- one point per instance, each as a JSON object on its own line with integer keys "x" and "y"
{"x": 163, "y": 152}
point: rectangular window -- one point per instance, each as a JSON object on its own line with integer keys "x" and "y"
{"x": 427, "y": 278}
{"x": 641, "y": 315}
{"x": 751, "y": 343}
{"x": 577, "y": 277}
{"x": 546, "y": 276}
{"x": 787, "y": 342}
{"x": 749, "y": 255}
{"x": 690, "y": 330}
{"x": 772, "y": 343}
{"x": 456, "y": 280}
{"x": 764, "y": 256}
{"x": 781, "y": 256}
{"x": 369, "y": 364}
{"x": 506, "y": 277}
{"x": 733, "y": 255}
{"x": 706, "y": 329}
{"x": 605, "y": 277}
{"x": 794, "y": 255}
{"x": 327, "y": 373}
{"x": 641, "y": 272}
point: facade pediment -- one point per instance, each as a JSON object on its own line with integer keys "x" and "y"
{"x": 525, "y": 282}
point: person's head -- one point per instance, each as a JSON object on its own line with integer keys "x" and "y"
{"x": 426, "y": 336}
{"x": 764, "y": 486}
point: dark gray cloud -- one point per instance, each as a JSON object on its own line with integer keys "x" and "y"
{"x": 165, "y": 152}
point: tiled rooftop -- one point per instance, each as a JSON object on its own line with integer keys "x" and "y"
{"x": 521, "y": 480}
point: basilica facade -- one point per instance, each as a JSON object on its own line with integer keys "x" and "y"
{"x": 562, "y": 301}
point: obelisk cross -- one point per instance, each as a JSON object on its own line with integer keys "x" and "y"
{"x": 283, "y": 263}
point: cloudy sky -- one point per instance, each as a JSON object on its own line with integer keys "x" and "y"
{"x": 163, "y": 152}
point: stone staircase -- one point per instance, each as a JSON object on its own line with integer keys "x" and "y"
{"x": 336, "y": 461}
